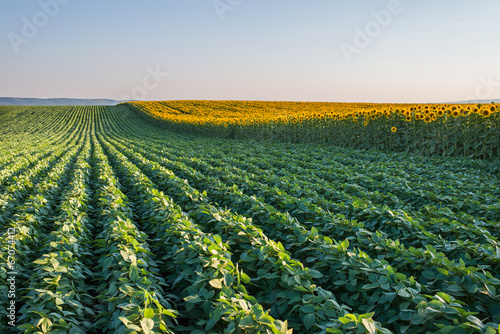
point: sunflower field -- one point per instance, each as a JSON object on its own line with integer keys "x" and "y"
{"x": 111, "y": 223}
{"x": 426, "y": 129}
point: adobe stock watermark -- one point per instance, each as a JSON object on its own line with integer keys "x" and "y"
{"x": 372, "y": 29}
{"x": 151, "y": 81}
{"x": 224, "y": 6}
{"x": 486, "y": 88}
{"x": 31, "y": 26}
{"x": 11, "y": 277}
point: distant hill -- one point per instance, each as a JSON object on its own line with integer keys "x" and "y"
{"x": 18, "y": 101}
{"x": 478, "y": 101}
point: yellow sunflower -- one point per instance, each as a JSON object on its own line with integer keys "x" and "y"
{"x": 485, "y": 113}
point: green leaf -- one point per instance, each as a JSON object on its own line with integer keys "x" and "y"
{"x": 333, "y": 330}
{"x": 147, "y": 325}
{"x": 217, "y": 238}
{"x": 76, "y": 330}
{"x": 228, "y": 279}
{"x": 445, "y": 296}
{"x": 27, "y": 327}
{"x": 134, "y": 273}
{"x": 246, "y": 321}
{"x": 444, "y": 271}
{"x": 134, "y": 327}
{"x": 124, "y": 320}
{"x": 404, "y": 293}
{"x": 369, "y": 325}
{"x": 107, "y": 263}
{"x": 307, "y": 309}
{"x": 309, "y": 320}
{"x": 405, "y": 315}
{"x": 370, "y": 286}
{"x": 348, "y": 318}
{"x": 454, "y": 288}
{"x": 149, "y": 313}
{"x": 170, "y": 313}
{"x": 245, "y": 278}
{"x": 214, "y": 318}
{"x": 45, "y": 325}
{"x": 429, "y": 274}
{"x": 475, "y": 321}
{"x": 216, "y": 283}
{"x": 315, "y": 274}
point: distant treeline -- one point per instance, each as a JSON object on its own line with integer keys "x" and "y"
{"x": 17, "y": 101}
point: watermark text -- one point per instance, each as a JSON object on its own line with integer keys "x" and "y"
{"x": 32, "y": 26}
{"x": 11, "y": 276}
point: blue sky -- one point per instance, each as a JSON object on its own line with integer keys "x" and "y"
{"x": 295, "y": 50}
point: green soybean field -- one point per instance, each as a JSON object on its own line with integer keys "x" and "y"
{"x": 112, "y": 224}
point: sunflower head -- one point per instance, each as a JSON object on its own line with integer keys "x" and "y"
{"x": 440, "y": 112}
{"x": 427, "y": 119}
{"x": 394, "y": 129}
{"x": 485, "y": 113}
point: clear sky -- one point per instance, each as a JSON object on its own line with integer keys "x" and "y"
{"x": 296, "y": 50}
